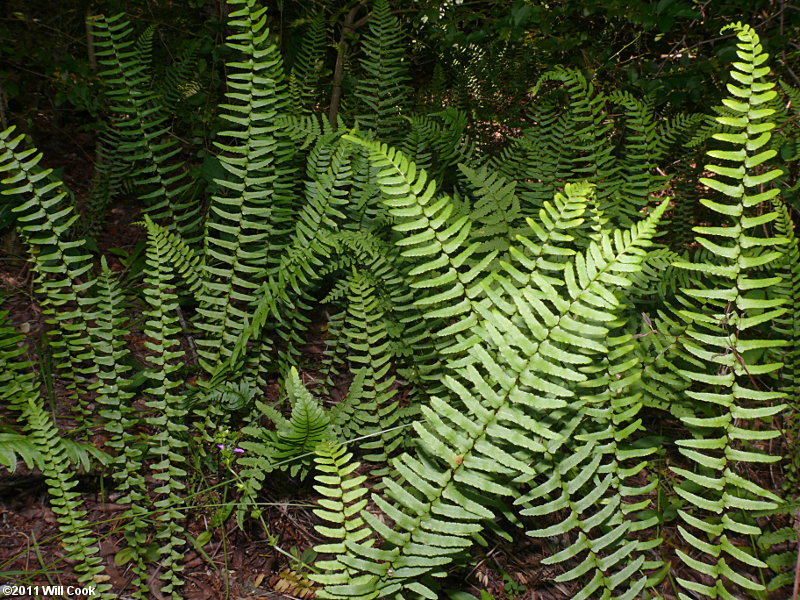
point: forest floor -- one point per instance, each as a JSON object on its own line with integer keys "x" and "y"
{"x": 235, "y": 564}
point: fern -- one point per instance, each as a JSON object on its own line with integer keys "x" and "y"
{"x": 722, "y": 333}
{"x": 470, "y": 456}
{"x": 638, "y": 157}
{"x": 48, "y": 451}
{"x": 449, "y": 279}
{"x": 167, "y": 406}
{"x": 308, "y": 67}
{"x": 382, "y": 91}
{"x": 368, "y": 350}
{"x": 343, "y": 499}
{"x": 247, "y": 218}
{"x": 44, "y": 220}
{"x": 78, "y": 541}
{"x": 167, "y": 193}
{"x": 788, "y": 325}
{"x": 573, "y": 144}
{"x": 289, "y": 446}
{"x": 307, "y": 427}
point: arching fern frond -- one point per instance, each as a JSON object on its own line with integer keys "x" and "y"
{"x": 45, "y": 217}
{"x": 514, "y": 375}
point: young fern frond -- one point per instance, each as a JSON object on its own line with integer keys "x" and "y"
{"x": 301, "y": 434}
{"x": 290, "y": 446}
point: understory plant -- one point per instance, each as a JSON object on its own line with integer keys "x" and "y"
{"x": 505, "y": 331}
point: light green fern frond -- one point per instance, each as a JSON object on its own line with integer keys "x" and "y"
{"x": 249, "y": 216}
{"x": 513, "y": 385}
{"x": 723, "y": 332}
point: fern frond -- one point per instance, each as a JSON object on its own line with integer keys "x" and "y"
{"x": 250, "y": 214}
{"x": 341, "y": 504}
{"x": 788, "y": 325}
{"x": 382, "y": 91}
{"x": 167, "y": 406}
{"x": 45, "y": 217}
{"x": 723, "y": 333}
{"x": 514, "y": 376}
{"x": 167, "y": 192}
{"x": 308, "y": 67}
{"x": 307, "y": 427}
{"x": 79, "y": 541}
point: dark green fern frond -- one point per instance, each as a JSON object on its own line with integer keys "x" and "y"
{"x": 147, "y": 146}
{"x": 308, "y": 67}
{"x": 638, "y": 156}
{"x": 176, "y": 83}
{"x": 117, "y": 415}
{"x": 45, "y": 217}
{"x": 495, "y": 214}
{"x": 167, "y": 406}
{"x": 382, "y": 90}
{"x": 368, "y": 350}
{"x": 788, "y": 325}
{"x": 572, "y": 144}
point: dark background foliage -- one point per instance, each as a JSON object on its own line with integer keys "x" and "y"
{"x": 670, "y": 49}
